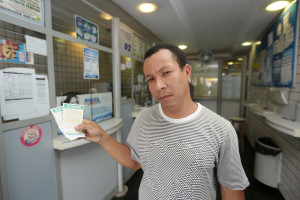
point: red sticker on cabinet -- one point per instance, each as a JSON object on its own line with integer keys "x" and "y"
{"x": 31, "y": 135}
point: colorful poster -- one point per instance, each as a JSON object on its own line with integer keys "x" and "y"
{"x": 278, "y": 44}
{"x": 31, "y": 135}
{"x": 91, "y": 63}
{"x": 29, "y": 10}
{"x": 86, "y": 30}
{"x": 12, "y": 51}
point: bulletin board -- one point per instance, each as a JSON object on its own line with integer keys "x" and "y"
{"x": 275, "y": 58}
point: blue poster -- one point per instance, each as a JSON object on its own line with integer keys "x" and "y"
{"x": 86, "y": 30}
{"x": 91, "y": 63}
{"x": 279, "y": 43}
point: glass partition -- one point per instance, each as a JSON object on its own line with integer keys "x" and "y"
{"x": 126, "y": 69}
{"x": 63, "y": 19}
{"x": 72, "y": 87}
{"x": 141, "y": 93}
{"x": 205, "y": 79}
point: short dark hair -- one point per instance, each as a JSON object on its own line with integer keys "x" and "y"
{"x": 177, "y": 53}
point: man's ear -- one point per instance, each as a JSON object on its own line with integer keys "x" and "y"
{"x": 188, "y": 71}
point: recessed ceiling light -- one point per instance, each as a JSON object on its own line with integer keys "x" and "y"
{"x": 182, "y": 46}
{"x": 258, "y": 43}
{"x": 278, "y": 5}
{"x": 240, "y": 59}
{"x": 147, "y": 7}
{"x": 106, "y": 16}
{"x": 230, "y": 63}
{"x": 246, "y": 43}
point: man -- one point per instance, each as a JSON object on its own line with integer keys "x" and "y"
{"x": 182, "y": 147}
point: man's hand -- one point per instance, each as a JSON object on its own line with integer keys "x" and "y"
{"x": 93, "y": 132}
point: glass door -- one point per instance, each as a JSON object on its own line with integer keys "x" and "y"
{"x": 231, "y": 87}
{"x": 205, "y": 81}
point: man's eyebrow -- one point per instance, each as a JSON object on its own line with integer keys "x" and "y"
{"x": 160, "y": 70}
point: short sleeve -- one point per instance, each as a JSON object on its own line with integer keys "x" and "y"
{"x": 132, "y": 141}
{"x": 230, "y": 171}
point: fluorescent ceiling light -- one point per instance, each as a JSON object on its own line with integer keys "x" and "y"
{"x": 246, "y": 43}
{"x": 278, "y": 5}
{"x": 230, "y": 63}
{"x": 240, "y": 59}
{"x": 147, "y": 7}
{"x": 182, "y": 46}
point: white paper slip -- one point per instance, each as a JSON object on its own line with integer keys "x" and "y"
{"x": 72, "y": 116}
{"x": 58, "y": 116}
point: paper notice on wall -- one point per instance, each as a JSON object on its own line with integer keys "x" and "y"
{"x": 17, "y": 92}
{"x": 24, "y": 94}
{"x": 36, "y": 45}
{"x": 41, "y": 100}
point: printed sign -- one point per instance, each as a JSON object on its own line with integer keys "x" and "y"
{"x": 91, "y": 63}
{"x": 125, "y": 40}
{"x": 29, "y": 10}
{"x": 31, "y": 135}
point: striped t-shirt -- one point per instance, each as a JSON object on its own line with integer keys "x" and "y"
{"x": 183, "y": 158}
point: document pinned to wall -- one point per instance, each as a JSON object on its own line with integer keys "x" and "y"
{"x": 36, "y": 45}
{"x": 41, "y": 100}
{"x": 22, "y": 95}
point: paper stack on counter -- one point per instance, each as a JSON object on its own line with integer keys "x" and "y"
{"x": 67, "y": 117}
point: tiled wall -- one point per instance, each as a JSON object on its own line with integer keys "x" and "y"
{"x": 289, "y": 185}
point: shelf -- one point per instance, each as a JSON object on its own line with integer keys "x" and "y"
{"x": 110, "y": 126}
{"x": 283, "y": 125}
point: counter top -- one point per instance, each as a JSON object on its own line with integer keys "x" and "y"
{"x": 260, "y": 111}
{"x": 110, "y": 126}
{"x": 283, "y": 125}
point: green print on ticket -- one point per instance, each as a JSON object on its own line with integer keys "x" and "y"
{"x": 72, "y": 106}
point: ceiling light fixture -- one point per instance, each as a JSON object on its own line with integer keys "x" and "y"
{"x": 106, "y": 16}
{"x": 278, "y": 5}
{"x": 240, "y": 59}
{"x": 147, "y": 7}
{"x": 182, "y": 46}
{"x": 246, "y": 44}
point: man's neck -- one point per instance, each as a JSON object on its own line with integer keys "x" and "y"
{"x": 183, "y": 111}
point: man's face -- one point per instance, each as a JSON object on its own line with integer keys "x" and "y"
{"x": 167, "y": 82}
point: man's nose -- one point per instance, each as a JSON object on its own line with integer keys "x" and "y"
{"x": 160, "y": 84}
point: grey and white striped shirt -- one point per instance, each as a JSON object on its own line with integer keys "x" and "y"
{"x": 183, "y": 158}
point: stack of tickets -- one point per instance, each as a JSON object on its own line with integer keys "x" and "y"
{"x": 67, "y": 117}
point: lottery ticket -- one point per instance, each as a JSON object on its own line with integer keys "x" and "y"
{"x": 72, "y": 116}
{"x": 58, "y": 116}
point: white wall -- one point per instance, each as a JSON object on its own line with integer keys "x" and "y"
{"x": 289, "y": 185}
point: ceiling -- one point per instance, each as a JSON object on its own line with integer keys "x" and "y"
{"x": 218, "y": 25}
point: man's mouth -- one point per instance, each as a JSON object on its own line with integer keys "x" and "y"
{"x": 164, "y": 97}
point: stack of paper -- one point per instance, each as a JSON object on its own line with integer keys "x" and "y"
{"x": 67, "y": 117}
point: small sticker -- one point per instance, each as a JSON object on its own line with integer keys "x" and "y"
{"x": 31, "y": 135}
